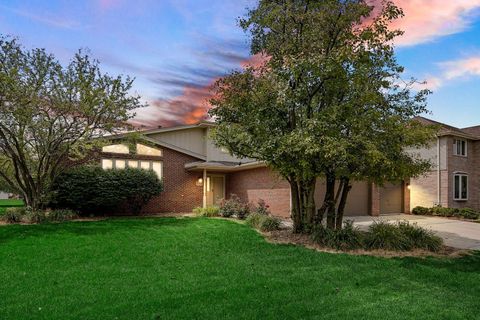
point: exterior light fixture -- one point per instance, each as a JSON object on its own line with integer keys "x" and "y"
{"x": 409, "y": 186}
{"x": 199, "y": 182}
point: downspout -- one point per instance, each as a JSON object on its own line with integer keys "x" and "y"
{"x": 439, "y": 197}
{"x": 204, "y": 188}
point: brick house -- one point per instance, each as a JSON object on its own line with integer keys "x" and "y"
{"x": 196, "y": 173}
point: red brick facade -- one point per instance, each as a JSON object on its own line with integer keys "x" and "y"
{"x": 180, "y": 192}
{"x": 261, "y": 183}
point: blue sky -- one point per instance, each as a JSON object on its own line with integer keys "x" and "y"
{"x": 176, "y": 48}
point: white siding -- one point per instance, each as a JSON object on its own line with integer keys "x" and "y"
{"x": 3, "y": 195}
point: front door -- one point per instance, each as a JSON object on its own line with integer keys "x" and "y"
{"x": 215, "y": 189}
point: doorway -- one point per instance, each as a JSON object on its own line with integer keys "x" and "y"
{"x": 215, "y": 189}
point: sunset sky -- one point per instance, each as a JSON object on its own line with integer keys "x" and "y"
{"x": 176, "y": 48}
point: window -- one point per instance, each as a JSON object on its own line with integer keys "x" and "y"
{"x": 460, "y": 188}
{"x": 148, "y": 151}
{"x": 156, "y": 166}
{"x": 459, "y": 147}
{"x": 116, "y": 148}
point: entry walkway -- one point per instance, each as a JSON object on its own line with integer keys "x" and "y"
{"x": 456, "y": 233}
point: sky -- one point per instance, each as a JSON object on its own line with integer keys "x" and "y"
{"x": 175, "y": 49}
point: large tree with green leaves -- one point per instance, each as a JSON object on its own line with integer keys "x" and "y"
{"x": 50, "y": 113}
{"x": 328, "y": 101}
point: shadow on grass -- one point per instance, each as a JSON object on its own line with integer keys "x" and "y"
{"x": 467, "y": 263}
{"x": 86, "y": 228}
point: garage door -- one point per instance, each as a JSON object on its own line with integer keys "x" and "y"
{"x": 357, "y": 203}
{"x": 391, "y": 198}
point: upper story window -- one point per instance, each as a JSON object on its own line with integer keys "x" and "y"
{"x": 460, "y": 147}
{"x": 116, "y": 148}
{"x": 148, "y": 151}
{"x": 460, "y": 188}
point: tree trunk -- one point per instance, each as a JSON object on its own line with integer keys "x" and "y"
{"x": 330, "y": 200}
{"x": 296, "y": 207}
{"x": 343, "y": 202}
{"x": 309, "y": 197}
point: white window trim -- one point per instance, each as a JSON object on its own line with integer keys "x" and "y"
{"x": 455, "y": 147}
{"x": 462, "y": 175}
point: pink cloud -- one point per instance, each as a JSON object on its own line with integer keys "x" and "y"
{"x": 461, "y": 68}
{"x": 465, "y": 68}
{"x": 427, "y": 20}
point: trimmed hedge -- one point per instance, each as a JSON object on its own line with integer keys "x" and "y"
{"x": 465, "y": 213}
{"x": 95, "y": 191}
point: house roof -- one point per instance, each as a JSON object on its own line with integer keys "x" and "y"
{"x": 201, "y": 124}
{"x": 471, "y": 133}
{"x": 223, "y": 166}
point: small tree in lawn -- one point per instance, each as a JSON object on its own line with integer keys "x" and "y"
{"x": 326, "y": 96}
{"x": 49, "y": 113}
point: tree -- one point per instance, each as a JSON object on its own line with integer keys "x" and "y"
{"x": 324, "y": 101}
{"x": 51, "y": 113}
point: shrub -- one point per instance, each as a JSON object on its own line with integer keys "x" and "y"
{"x": 262, "y": 208}
{"x": 347, "y": 238}
{"x": 386, "y": 236}
{"x": 92, "y": 190}
{"x": 60, "y": 215}
{"x": 210, "y": 211}
{"x": 35, "y": 217}
{"x": 420, "y": 211}
{"x": 468, "y": 213}
{"x": 13, "y": 215}
{"x": 263, "y": 222}
{"x": 234, "y": 207}
{"x": 401, "y": 236}
{"x": 420, "y": 237}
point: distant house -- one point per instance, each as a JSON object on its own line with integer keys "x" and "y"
{"x": 3, "y": 195}
{"x": 196, "y": 173}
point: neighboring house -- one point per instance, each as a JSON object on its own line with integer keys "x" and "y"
{"x": 455, "y": 176}
{"x": 196, "y": 173}
{"x": 3, "y": 195}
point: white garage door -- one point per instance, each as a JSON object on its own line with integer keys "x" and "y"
{"x": 391, "y": 198}
{"x": 357, "y": 202}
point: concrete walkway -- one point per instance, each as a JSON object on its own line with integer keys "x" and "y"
{"x": 457, "y": 234}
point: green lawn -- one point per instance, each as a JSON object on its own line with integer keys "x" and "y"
{"x": 210, "y": 268}
{"x": 9, "y": 203}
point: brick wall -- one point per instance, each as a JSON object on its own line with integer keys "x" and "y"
{"x": 469, "y": 165}
{"x": 261, "y": 183}
{"x": 180, "y": 193}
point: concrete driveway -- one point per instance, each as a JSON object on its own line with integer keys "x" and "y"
{"x": 457, "y": 234}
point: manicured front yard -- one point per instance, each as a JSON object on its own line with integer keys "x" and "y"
{"x": 7, "y": 203}
{"x": 210, "y": 268}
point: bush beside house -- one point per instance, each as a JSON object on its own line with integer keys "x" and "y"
{"x": 464, "y": 213}
{"x": 95, "y": 191}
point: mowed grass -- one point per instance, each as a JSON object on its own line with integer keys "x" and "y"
{"x": 7, "y": 203}
{"x": 199, "y": 268}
